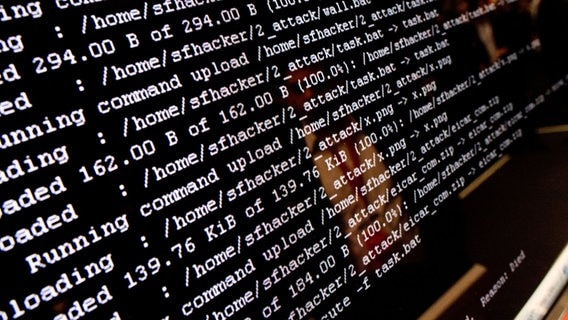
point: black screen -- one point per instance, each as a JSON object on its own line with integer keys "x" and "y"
{"x": 287, "y": 159}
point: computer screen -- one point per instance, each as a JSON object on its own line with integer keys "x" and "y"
{"x": 282, "y": 159}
